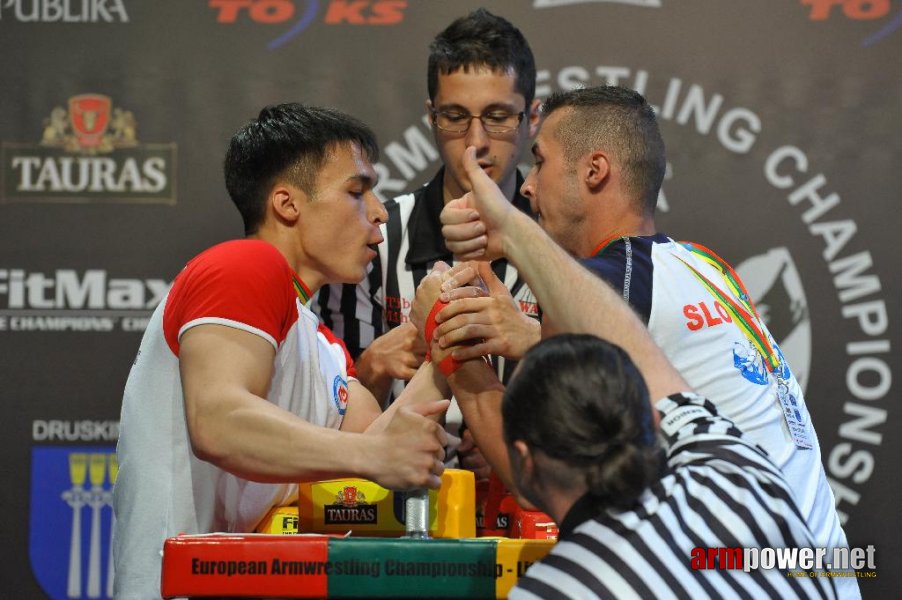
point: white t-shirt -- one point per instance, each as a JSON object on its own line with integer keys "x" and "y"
{"x": 703, "y": 341}
{"x": 162, "y": 489}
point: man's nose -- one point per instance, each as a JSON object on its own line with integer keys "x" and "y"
{"x": 528, "y": 188}
{"x": 476, "y": 134}
{"x": 376, "y": 210}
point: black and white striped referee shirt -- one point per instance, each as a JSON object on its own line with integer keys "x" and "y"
{"x": 413, "y": 243}
{"x": 719, "y": 491}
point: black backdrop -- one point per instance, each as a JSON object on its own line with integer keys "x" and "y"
{"x": 781, "y": 117}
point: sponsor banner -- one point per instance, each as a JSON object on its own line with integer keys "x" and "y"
{"x": 311, "y": 566}
{"x": 89, "y": 152}
{"x": 298, "y": 15}
{"x": 64, "y": 11}
{"x": 71, "y": 300}
{"x": 875, "y": 11}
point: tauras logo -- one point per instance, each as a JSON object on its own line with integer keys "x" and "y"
{"x": 68, "y": 289}
{"x": 350, "y": 506}
{"x": 89, "y": 151}
{"x": 38, "y": 174}
{"x": 64, "y": 11}
{"x": 340, "y": 515}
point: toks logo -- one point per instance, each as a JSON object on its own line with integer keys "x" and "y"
{"x": 88, "y": 153}
{"x": 301, "y": 13}
{"x": 857, "y": 10}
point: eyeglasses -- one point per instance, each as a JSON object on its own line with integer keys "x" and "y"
{"x": 497, "y": 121}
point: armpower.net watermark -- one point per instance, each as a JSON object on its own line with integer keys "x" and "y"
{"x": 796, "y": 562}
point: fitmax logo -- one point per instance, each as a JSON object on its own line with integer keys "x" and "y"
{"x": 305, "y": 12}
{"x": 66, "y": 289}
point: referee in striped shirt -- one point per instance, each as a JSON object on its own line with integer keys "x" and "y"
{"x": 579, "y": 439}
{"x": 481, "y": 83}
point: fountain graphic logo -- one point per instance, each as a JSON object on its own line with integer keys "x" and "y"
{"x": 71, "y": 520}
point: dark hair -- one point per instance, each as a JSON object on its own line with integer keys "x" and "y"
{"x": 582, "y": 401}
{"x": 482, "y": 39}
{"x": 291, "y": 141}
{"x": 618, "y": 120}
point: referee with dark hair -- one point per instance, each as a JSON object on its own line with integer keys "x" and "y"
{"x": 631, "y": 510}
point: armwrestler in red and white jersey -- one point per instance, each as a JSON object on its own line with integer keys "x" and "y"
{"x": 237, "y": 392}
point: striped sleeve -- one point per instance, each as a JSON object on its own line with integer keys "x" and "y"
{"x": 352, "y": 311}
{"x": 719, "y": 491}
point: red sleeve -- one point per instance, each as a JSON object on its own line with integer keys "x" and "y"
{"x": 333, "y": 339}
{"x": 244, "y": 284}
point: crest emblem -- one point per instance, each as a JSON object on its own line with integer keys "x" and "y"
{"x": 350, "y": 496}
{"x": 340, "y": 394}
{"x": 89, "y": 115}
{"x": 92, "y": 125}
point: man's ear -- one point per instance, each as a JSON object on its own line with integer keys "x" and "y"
{"x": 598, "y": 169}
{"x": 429, "y": 108}
{"x": 525, "y": 460}
{"x": 525, "y": 478}
{"x": 285, "y": 201}
{"x": 534, "y": 117}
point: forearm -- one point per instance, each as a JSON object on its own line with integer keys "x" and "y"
{"x": 578, "y": 302}
{"x": 479, "y": 394}
{"x": 426, "y": 386}
{"x": 257, "y": 440}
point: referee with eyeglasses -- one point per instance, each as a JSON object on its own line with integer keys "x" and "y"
{"x": 481, "y": 85}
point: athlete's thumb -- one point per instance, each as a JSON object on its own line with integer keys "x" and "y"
{"x": 429, "y": 409}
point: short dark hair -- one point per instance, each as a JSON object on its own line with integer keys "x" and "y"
{"x": 286, "y": 140}
{"x": 619, "y": 120}
{"x": 482, "y": 39}
{"x": 582, "y": 401}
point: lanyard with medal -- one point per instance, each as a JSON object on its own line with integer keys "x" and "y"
{"x": 745, "y": 316}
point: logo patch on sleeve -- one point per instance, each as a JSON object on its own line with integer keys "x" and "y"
{"x": 680, "y": 417}
{"x": 340, "y": 394}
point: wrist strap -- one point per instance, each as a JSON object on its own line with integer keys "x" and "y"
{"x": 430, "y": 325}
{"x": 449, "y": 365}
